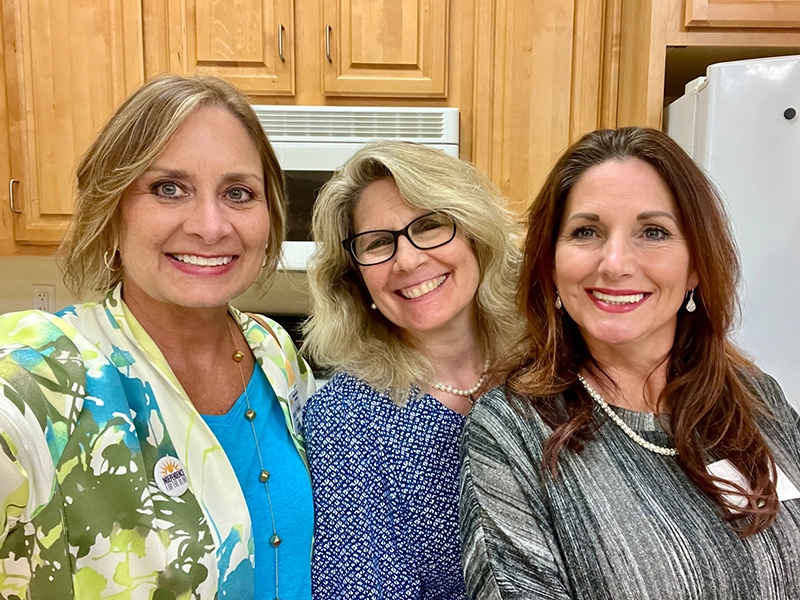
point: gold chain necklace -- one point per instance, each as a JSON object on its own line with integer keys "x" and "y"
{"x": 250, "y": 415}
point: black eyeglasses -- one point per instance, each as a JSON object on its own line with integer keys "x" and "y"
{"x": 425, "y": 233}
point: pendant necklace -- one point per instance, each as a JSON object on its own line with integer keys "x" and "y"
{"x": 464, "y": 393}
{"x": 263, "y": 476}
{"x": 623, "y": 425}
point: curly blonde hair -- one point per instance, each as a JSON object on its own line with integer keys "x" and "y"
{"x": 128, "y": 144}
{"x": 342, "y": 333}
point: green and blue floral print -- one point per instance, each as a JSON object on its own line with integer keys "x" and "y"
{"x": 88, "y": 406}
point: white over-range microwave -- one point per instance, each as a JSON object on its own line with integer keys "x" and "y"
{"x": 311, "y": 142}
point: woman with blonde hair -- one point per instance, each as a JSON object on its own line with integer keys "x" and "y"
{"x": 412, "y": 286}
{"x": 151, "y": 441}
{"x": 634, "y": 453}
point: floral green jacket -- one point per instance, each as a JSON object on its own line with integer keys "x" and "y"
{"x": 88, "y": 406}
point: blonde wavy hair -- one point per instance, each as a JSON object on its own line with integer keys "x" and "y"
{"x": 125, "y": 148}
{"x": 343, "y": 333}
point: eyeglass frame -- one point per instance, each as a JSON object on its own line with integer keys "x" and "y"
{"x": 347, "y": 243}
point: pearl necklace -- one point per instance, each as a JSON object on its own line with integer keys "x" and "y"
{"x": 263, "y": 476}
{"x": 463, "y": 393}
{"x": 623, "y": 425}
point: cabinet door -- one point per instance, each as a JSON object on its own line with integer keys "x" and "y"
{"x": 249, "y": 43}
{"x": 385, "y": 48}
{"x": 742, "y": 13}
{"x": 69, "y": 64}
{"x": 526, "y": 99}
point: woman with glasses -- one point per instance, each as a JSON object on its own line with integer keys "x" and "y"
{"x": 413, "y": 290}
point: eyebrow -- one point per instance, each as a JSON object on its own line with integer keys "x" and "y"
{"x": 181, "y": 174}
{"x": 657, "y": 213}
{"x": 587, "y": 216}
{"x": 642, "y": 217}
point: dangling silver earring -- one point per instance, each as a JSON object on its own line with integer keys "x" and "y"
{"x": 690, "y": 304}
{"x": 558, "y": 301}
{"x": 372, "y": 306}
{"x": 108, "y": 261}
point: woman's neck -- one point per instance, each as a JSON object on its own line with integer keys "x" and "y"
{"x": 183, "y": 335}
{"x": 635, "y": 385}
{"x": 638, "y": 375}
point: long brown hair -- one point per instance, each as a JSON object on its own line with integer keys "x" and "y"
{"x": 713, "y": 409}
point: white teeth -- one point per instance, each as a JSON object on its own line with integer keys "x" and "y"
{"x": 202, "y": 261}
{"x": 609, "y": 299}
{"x": 423, "y": 289}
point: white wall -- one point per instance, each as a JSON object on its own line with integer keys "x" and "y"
{"x": 19, "y": 273}
{"x": 287, "y": 295}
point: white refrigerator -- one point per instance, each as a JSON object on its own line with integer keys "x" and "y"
{"x": 741, "y": 123}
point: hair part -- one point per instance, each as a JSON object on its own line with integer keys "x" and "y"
{"x": 343, "y": 333}
{"x": 712, "y": 406}
{"x": 125, "y": 148}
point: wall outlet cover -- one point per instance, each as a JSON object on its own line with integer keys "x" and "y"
{"x": 44, "y": 297}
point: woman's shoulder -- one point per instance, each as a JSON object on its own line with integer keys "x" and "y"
{"x": 772, "y": 395}
{"x": 345, "y": 398}
{"x": 501, "y": 405}
{"x": 501, "y": 414}
{"x": 345, "y": 392}
{"x": 35, "y": 329}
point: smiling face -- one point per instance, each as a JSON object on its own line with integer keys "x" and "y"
{"x": 195, "y": 225}
{"x": 622, "y": 265}
{"x": 425, "y": 292}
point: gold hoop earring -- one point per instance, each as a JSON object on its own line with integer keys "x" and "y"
{"x": 108, "y": 262}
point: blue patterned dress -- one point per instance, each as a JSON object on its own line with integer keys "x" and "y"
{"x": 385, "y": 482}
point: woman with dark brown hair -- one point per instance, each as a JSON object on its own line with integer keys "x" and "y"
{"x": 635, "y": 452}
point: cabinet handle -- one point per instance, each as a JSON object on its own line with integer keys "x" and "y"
{"x": 280, "y": 43}
{"x": 11, "y": 195}
{"x": 328, "y": 43}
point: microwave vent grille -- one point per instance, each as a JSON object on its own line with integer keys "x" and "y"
{"x": 357, "y": 124}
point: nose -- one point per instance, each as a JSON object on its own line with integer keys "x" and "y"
{"x": 407, "y": 257}
{"x": 618, "y": 257}
{"x": 207, "y": 218}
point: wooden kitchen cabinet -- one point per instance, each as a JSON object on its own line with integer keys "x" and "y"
{"x": 248, "y": 42}
{"x": 545, "y": 74}
{"x": 742, "y": 13}
{"x": 68, "y": 66}
{"x": 375, "y": 48}
{"x": 385, "y": 47}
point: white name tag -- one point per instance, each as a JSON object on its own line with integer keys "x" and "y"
{"x": 725, "y": 470}
{"x": 295, "y": 408}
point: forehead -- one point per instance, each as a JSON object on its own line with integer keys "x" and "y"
{"x": 616, "y": 188}
{"x": 380, "y": 206}
{"x": 212, "y": 134}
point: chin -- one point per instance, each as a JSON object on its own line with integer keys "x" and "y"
{"x": 612, "y": 337}
{"x": 205, "y": 298}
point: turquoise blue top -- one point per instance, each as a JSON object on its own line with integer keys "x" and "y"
{"x": 289, "y": 488}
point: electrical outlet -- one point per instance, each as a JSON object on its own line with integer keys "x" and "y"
{"x": 44, "y": 298}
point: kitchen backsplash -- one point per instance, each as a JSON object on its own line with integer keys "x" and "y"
{"x": 287, "y": 295}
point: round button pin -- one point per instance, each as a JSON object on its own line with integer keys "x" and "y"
{"x": 170, "y": 476}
